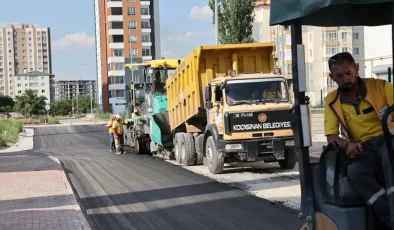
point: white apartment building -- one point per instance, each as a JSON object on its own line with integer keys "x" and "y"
{"x": 41, "y": 83}
{"x": 23, "y": 48}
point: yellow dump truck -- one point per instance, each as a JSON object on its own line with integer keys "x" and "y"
{"x": 226, "y": 104}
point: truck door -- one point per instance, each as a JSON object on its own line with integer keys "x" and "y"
{"x": 216, "y": 112}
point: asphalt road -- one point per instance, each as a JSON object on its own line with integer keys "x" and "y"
{"x": 143, "y": 192}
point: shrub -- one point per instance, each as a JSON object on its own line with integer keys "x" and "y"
{"x": 9, "y": 131}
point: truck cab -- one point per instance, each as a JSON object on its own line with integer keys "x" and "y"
{"x": 252, "y": 115}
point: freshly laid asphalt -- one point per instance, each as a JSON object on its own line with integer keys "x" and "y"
{"x": 143, "y": 192}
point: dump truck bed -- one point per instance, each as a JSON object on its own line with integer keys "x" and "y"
{"x": 185, "y": 87}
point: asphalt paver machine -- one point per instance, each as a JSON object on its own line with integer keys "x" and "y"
{"x": 327, "y": 201}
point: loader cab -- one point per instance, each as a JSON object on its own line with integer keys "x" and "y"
{"x": 327, "y": 200}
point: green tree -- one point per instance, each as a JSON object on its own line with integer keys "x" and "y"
{"x": 83, "y": 103}
{"x": 6, "y": 103}
{"x": 60, "y": 108}
{"x": 236, "y": 19}
{"x": 30, "y": 103}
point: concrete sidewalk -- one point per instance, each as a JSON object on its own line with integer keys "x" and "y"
{"x": 35, "y": 193}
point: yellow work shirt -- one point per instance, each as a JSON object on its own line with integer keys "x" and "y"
{"x": 359, "y": 121}
{"x": 363, "y": 122}
{"x": 117, "y": 127}
{"x": 110, "y": 123}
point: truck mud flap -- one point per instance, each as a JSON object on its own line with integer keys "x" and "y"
{"x": 161, "y": 119}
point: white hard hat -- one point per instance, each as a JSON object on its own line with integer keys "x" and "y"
{"x": 117, "y": 116}
{"x": 135, "y": 110}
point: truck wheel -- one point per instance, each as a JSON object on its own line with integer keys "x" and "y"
{"x": 188, "y": 151}
{"x": 290, "y": 159}
{"x": 178, "y": 140}
{"x": 215, "y": 159}
{"x": 199, "y": 158}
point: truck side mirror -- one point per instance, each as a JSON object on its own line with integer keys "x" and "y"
{"x": 208, "y": 97}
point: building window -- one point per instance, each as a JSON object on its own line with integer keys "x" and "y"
{"x": 144, "y": 11}
{"x": 131, "y": 0}
{"x": 119, "y": 80}
{"x": 134, "y": 52}
{"x": 330, "y": 35}
{"x": 131, "y": 11}
{"x": 133, "y": 38}
{"x": 118, "y": 52}
{"x": 356, "y": 51}
{"x": 331, "y": 50}
{"x": 344, "y": 35}
{"x": 355, "y": 36}
{"x": 145, "y": 24}
{"x": 132, "y": 25}
{"x": 145, "y": 52}
{"x": 344, "y": 49}
{"x": 118, "y": 66}
{"x": 331, "y": 83}
{"x": 119, "y": 93}
{"x": 145, "y": 38}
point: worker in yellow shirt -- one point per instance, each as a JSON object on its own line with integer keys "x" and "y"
{"x": 111, "y": 134}
{"x": 117, "y": 128}
{"x": 356, "y": 108}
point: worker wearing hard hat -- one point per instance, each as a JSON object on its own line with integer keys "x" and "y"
{"x": 136, "y": 117}
{"x": 111, "y": 134}
{"x": 117, "y": 129}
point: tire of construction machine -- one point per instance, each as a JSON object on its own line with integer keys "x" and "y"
{"x": 137, "y": 146}
{"x": 214, "y": 159}
{"x": 178, "y": 141}
{"x": 188, "y": 150}
{"x": 290, "y": 159}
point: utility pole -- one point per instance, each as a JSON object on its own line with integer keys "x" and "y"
{"x": 216, "y": 23}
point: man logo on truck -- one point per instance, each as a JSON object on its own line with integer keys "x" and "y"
{"x": 262, "y": 117}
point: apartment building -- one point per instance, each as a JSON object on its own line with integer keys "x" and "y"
{"x": 23, "y": 48}
{"x": 41, "y": 83}
{"x": 69, "y": 89}
{"x": 124, "y": 29}
{"x": 320, "y": 44}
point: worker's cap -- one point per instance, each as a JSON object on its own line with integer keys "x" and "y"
{"x": 117, "y": 116}
{"x": 135, "y": 110}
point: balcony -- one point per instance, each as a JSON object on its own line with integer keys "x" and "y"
{"x": 116, "y": 45}
{"x": 145, "y": 3}
{"x": 146, "y": 44}
{"x": 116, "y": 60}
{"x": 117, "y": 87}
{"x": 116, "y": 73}
{"x": 146, "y": 16}
{"x": 115, "y": 18}
{"x": 114, "y": 4}
{"x": 147, "y": 58}
{"x": 115, "y": 32}
{"x": 146, "y": 30}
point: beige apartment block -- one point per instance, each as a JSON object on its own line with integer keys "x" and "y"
{"x": 320, "y": 44}
{"x": 23, "y": 48}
